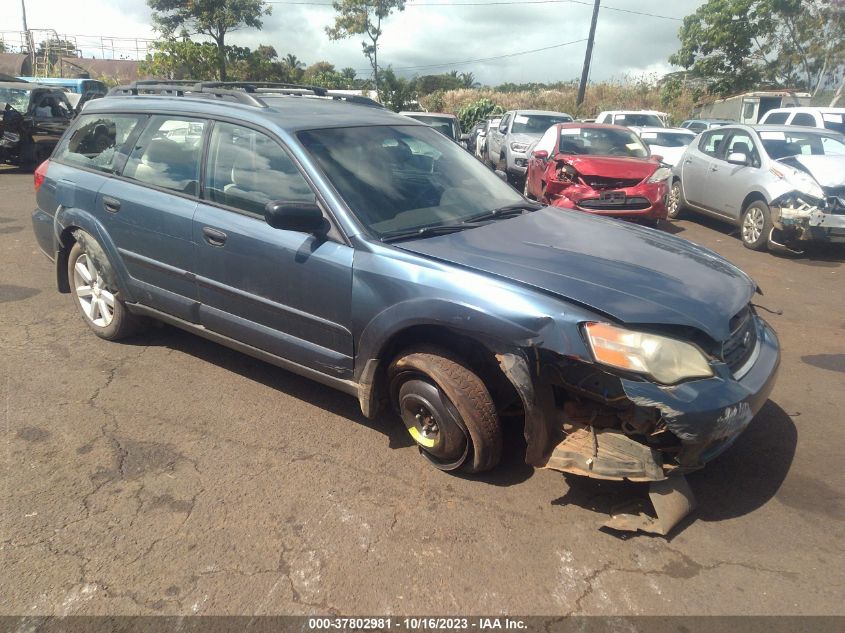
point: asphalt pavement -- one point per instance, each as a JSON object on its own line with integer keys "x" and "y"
{"x": 170, "y": 475}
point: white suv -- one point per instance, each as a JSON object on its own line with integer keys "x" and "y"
{"x": 828, "y": 118}
{"x": 639, "y": 118}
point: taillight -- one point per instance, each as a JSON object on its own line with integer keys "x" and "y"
{"x": 40, "y": 173}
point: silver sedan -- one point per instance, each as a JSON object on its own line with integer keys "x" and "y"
{"x": 782, "y": 185}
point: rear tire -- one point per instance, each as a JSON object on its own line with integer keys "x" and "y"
{"x": 447, "y": 409}
{"x": 756, "y": 226}
{"x": 94, "y": 292}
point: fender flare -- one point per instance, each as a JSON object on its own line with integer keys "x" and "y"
{"x": 74, "y": 218}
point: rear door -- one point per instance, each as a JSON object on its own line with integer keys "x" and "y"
{"x": 285, "y": 292}
{"x": 497, "y": 135}
{"x": 150, "y": 211}
{"x": 698, "y": 164}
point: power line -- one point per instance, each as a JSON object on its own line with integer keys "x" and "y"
{"x": 483, "y": 59}
{"x": 490, "y": 3}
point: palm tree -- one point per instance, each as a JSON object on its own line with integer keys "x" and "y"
{"x": 468, "y": 80}
{"x": 294, "y": 66}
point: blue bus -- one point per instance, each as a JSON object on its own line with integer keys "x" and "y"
{"x": 78, "y": 86}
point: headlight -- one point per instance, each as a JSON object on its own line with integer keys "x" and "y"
{"x": 802, "y": 181}
{"x": 519, "y": 147}
{"x": 661, "y": 174}
{"x": 665, "y": 359}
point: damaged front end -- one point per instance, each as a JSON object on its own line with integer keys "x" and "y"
{"x": 589, "y": 421}
{"x": 572, "y": 184}
{"x": 799, "y": 217}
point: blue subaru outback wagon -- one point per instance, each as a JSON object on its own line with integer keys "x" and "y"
{"x": 364, "y": 250}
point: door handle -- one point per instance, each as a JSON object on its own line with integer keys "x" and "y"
{"x": 112, "y": 205}
{"x": 714, "y": 168}
{"x": 213, "y": 236}
{"x": 688, "y": 161}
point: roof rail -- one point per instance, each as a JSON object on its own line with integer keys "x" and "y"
{"x": 275, "y": 87}
{"x": 183, "y": 88}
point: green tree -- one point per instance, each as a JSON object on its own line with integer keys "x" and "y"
{"x": 396, "y": 92}
{"x": 428, "y": 84}
{"x": 294, "y": 66}
{"x": 214, "y": 18}
{"x": 740, "y": 44}
{"x": 363, "y": 17}
{"x": 315, "y": 69}
{"x": 182, "y": 59}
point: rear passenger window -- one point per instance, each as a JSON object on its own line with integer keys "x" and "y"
{"x": 168, "y": 154}
{"x": 247, "y": 169}
{"x": 802, "y": 118}
{"x": 711, "y": 143}
{"x": 777, "y": 118}
{"x": 97, "y": 141}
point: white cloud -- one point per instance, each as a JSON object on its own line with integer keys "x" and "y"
{"x": 626, "y": 43}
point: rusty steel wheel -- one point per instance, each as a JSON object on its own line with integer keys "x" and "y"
{"x": 447, "y": 410}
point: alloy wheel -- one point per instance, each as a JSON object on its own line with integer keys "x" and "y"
{"x": 752, "y": 225}
{"x": 96, "y": 300}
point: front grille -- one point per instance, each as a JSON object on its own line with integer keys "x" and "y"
{"x": 739, "y": 346}
{"x": 634, "y": 203}
{"x": 602, "y": 182}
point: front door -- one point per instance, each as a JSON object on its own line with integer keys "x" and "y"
{"x": 284, "y": 292}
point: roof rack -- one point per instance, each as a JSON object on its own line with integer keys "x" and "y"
{"x": 182, "y": 88}
{"x": 247, "y": 92}
{"x": 275, "y": 87}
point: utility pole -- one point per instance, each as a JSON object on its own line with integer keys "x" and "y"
{"x": 585, "y": 73}
{"x": 30, "y": 43}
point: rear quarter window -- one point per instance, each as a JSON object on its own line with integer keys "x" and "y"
{"x": 97, "y": 141}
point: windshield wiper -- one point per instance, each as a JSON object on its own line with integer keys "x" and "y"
{"x": 509, "y": 209}
{"x": 426, "y": 231}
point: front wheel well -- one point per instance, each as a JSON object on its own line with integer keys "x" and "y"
{"x": 754, "y": 196}
{"x": 475, "y": 353}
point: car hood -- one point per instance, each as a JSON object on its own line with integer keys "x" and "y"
{"x": 632, "y": 274}
{"x": 670, "y": 155}
{"x": 829, "y": 171}
{"x": 611, "y": 166}
{"x": 523, "y": 137}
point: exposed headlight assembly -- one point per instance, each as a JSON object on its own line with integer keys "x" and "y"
{"x": 661, "y": 174}
{"x": 665, "y": 359}
{"x": 802, "y": 181}
{"x": 519, "y": 147}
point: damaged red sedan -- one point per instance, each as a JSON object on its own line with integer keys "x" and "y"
{"x": 600, "y": 169}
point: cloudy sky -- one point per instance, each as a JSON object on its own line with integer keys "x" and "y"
{"x": 430, "y": 36}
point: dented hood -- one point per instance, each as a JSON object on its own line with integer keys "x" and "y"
{"x": 829, "y": 171}
{"x": 611, "y": 166}
{"x": 633, "y": 274}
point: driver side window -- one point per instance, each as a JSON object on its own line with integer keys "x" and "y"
{"x": 247, "y": 169}
{"x": 742, "y": 142}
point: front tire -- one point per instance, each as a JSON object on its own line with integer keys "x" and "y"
{"x": 447, "y": 410}
{"x": 674, "y": 206}
{"x": 91, "y": 285}
{"x": 756, "y": 226}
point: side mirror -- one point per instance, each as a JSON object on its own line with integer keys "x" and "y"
{"x": 657, "y": 157}
{"x": 464, "y": 137}
{"x": 502, "y": 175}
{"x": 738, "y": 158}
{"x": 540, "y": 154}
{"x": 304, "y": 217}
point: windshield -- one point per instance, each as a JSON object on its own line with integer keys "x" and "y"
{"x": 15, "y": 97}
{"x": 639, "y": 120}
{"x": 667, "y": 139}
{"x": 785, "y": 144}
{"x": 536, "y": 123}
{"x": 597, "y": 141}
{"x": 442, "y": 124}
{"x": 397, "y": 178}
